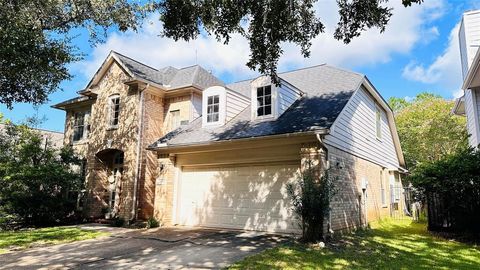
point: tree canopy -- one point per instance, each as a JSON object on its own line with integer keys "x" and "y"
{"x": 36, "y": 45}
{"x": 36, "y": 180}
{"x": 427, "y": 129}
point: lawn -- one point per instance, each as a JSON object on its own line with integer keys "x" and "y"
{"x": 44, "y": 236}
{"x": 399, "y": 244}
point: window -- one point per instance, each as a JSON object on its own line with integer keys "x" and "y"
{"x": 213, "y": 104}
{"x": 175, "y": 119}
{"x": 382, "y": 189}
{"x": 264, "y": 100}
{"x": 78, "y": 126}
{"x": 378, "y": 122}
{"x": 114, "y": 110}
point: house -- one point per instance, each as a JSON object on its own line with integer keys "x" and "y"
{"x": 184, "y": 147}
{"x": 55, "y": 138}
{"x": 469, "y": 104}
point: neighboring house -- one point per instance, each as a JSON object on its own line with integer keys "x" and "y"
{"x": 469, "y": 103}
{"x": 203, "y": 153}
{"x": 53, "y": 137}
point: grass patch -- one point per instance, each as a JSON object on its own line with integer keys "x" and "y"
{"x": 44, "y": 236}
{"x": 391, "y": 244}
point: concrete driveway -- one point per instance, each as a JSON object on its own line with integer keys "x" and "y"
{"x": 162, "y": 248}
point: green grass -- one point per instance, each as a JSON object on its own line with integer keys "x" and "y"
{"x": 399, "y": 244}
{"x": 44, "y": 236}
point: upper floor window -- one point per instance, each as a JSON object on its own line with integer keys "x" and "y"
{"x": 213, "y": 105}
{"x": 78, "y": 126}
{"x": 378, "y": 122}
{"x": 264, "y": 100}
{"x": 175, "y": 119}
{"x": 114, "y": 110}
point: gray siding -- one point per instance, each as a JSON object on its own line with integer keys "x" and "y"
{"x": 472, "y": 107}
{"x": 197, "y": 105}
{"x": 354, "y": 131}
{"x": 235, "y": 104}
{"x": 286, "y": 96}
{"x": 469, "y": 38}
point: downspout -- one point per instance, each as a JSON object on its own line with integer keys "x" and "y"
{"x": 139, "y": 146}
{"x": 320, "y": 138}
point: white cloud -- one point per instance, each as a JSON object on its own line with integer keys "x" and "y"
{"x": 445, "y": 69}
{"x": 372, "y": 47}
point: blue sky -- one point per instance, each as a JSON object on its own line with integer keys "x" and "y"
{"x": 418, "y": 52}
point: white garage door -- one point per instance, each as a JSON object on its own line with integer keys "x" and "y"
{"x": 250, "y": 198}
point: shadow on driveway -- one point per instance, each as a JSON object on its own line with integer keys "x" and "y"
{"x": 161, "y": 248}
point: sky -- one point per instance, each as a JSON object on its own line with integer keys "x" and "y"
{"x": 418, "y": 52}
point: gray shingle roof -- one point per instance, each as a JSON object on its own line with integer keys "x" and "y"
{"x": 327, "y": 90}
{"x": 171, "y": 77}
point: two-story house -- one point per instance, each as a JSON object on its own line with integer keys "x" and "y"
{"x": 184, "y": 147}
{"x": 124, "y": 108}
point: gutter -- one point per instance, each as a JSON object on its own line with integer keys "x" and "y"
{"x": 320, "y": 138}
{"x": 166, "y": 146}
{"x": 139, "y": 146}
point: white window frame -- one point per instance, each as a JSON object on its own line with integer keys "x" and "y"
{"x": 114, "y": 108}
{"x": 378, "y": 122}
{"x": 263, "y": 87}
{"x": 211, "y": 113}
{"x": 221, "y": 92}
{"x": 84, "y": 125}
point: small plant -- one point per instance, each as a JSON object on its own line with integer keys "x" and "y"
{"x": 152, "y": 223}
{"x": 310, "y": 195}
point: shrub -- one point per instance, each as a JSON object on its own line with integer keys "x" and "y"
{"x": 310, "y": 197}
{"x": 152, "y": 223}
{"x": 35, "y": 178}
{"x": 452, "y": 186}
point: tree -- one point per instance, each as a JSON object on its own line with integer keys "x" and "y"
{"x": 36, "y": 48}
{"x": 427, "y": 129}
{"x": 267, "y": 24}
{"x": 35, "y": 179}
{"x": 452, "y": 188}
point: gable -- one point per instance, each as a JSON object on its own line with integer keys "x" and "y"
{"x": 354, "y": 131}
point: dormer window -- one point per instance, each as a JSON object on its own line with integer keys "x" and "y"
{"x": 264, "y": 100}
{"x": 213, "y": 108}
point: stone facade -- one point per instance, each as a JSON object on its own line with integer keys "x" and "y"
{"x": 103, "y": 142}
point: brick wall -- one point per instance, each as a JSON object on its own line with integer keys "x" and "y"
{"x": 102, "y": 137}
{"x": 164, "y": 192}
{"x": 351, "y": 206}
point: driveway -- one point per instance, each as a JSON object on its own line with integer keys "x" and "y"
{"x": 162, "y": 248}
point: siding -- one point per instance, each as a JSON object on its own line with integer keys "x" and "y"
{"x": 235, "y": 103}
{"x": 286, "y": 96}
{"x": 471, "y": 112}
{"x": 354, "y": 131}
{"x": 469, "y": 38}
{"x": 197, "y": 106}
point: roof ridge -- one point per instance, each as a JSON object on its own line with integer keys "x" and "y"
{"x": 303, "y": 68}
{"x": 115, "y": 52}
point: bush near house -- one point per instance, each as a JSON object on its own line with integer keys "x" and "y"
{"x": 311, "y": 195}
{"x": 452, "y": 189}
{"x": 35, "y": 179}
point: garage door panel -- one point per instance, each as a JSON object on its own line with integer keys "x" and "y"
{"x": 252, "y": 198}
